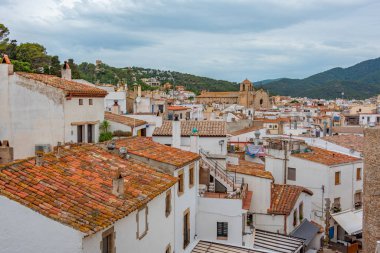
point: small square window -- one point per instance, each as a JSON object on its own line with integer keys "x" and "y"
{"x": 180, "y": 183}
{"x": 80, "y": 101}
{"x": 90, "y": 101}
{"x": 337, "y": 178}
{"x": 358, "y": 174}
{"x": 291, "y": 174}
{"x": 191, "y": 176}
{"x": 222, "y": 230}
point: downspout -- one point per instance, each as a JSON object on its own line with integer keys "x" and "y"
{"x": 285, "y": 223}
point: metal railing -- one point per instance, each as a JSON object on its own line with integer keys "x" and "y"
{"x": 218, "y": 170}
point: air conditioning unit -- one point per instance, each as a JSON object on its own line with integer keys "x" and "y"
{"x": 42, "y": 148}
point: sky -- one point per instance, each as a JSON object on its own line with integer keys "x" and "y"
{"x": 223, "y": 39}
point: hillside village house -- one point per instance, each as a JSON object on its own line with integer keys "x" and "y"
{"x": 136, "y": 127}
{"x": 183, "y": 165}
{"x": 212, "y": 135}
{"x": 328, "y": 174}
{"x": 85, "y": 199}
{"x": 39, "y": 111}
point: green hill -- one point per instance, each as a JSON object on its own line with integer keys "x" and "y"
{"x": 104, "y": 73}
{"x": 359, "y": 81}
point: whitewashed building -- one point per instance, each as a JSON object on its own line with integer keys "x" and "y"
{"x": 85, "y": 200}
{"x": 39, "y": 111}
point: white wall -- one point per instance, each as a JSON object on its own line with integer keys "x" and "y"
{"x": 188, "y": 200}
{"x": 36, "y": 115}
{"x": 213, "y": 210}
{"x": 160, "y": 231}
{"x": 79, "y": 113}
{"x": 306, "y": 200}
{"x": 24, "y": 230}
{"x": 267, "y": 222}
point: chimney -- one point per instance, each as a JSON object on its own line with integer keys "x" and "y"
{"x": 331, "y": 127}
{"x": 176, "y": 132}
{"x": 6, "y": 152}
{"x": 118, "y": 185}
{"x": 7, "y": 62}
{"x": 66, "y": 71}
{"x": 194, "y": 141}
{"x": 324, "y": 128}
{"x": 115, "y": 107}
{"x": 39, "y": 158}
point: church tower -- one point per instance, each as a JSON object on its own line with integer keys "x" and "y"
{"x": 246, "y": 93}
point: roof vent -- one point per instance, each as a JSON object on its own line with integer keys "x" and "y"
{"x": 111, "y": 146}
{"x": 39, "y": 158}
{"x": 118, "y": 185}
{"x": 123, "y": 152}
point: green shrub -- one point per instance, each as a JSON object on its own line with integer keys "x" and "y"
{"x": 105, "y": 136}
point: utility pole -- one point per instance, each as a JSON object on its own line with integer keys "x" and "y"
{"x": 327, "y": 220}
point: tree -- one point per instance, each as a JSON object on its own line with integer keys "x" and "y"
{"x": 55, "y": 66}
{"x": 74, "y": 69}
{"x": 11, "y": 49}
{"x": 33, "y": 53}
{"x": 4, "y": 32}
{"x": 105, "y": 134}
{"x": 21, "y": 66}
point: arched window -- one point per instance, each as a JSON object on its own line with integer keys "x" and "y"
{"x": 261, "y": 101}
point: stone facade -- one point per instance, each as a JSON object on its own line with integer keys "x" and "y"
{"x": 247, "y": 96}
{"x": 371, "y": 213}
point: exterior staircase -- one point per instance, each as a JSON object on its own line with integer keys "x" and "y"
{"x": 218, "y": 171}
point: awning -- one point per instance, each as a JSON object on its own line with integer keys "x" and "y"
{"x": 278, "y": 243}
{"x": 306, "y": 230}
{"x": 351, "y": 221}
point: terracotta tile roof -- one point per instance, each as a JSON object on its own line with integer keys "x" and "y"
{"x": 75, "y": 189}
{"x": 219, "y": 94}
{"x": 245, "y": 130}
{"x": 144, "y": 147}
{"x": 177, "y": 108}
{"x": 349, "y": 130}
{"x": 125, "y": 120}
{"x": 251, "y": 169}
{"x": 70, "y": 88}
{"x": 205, "y": 128}
{"x": 350, "y": 141}
{"x": 326, "y": 157}
{"x": 284, "y": 197}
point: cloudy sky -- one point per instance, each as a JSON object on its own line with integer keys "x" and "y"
{"x": 224, "y": 39}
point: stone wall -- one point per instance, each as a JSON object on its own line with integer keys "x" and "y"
{"x": 371, "y": 198}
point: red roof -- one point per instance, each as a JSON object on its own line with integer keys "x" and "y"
{"x": 71, "y": 88}
{"x": 177, "y": 108}
{"x": 326, "y": 157}
{"x": 144, "y": 147}
{"x": 75, "y": 188}
{"x": 284, "y": 197}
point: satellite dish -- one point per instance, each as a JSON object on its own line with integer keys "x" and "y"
{"x": 138, "y": 99}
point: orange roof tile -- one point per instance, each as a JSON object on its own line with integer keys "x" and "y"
{"x": 177, "y": 108}
{"x": 284, "y": 197}
{"x": 205, "y": 128}
{"x": 70, "y": 88}
{"x": 144, "y": 147}
{"x": 125, "y": 120}
{"x": 326, "y": 157}
{"x": 350, "y": 141}
{"x": 75, "y": 188}
{"x": 251, "y": 169}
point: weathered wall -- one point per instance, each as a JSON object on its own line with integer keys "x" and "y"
{"x": 371, "y": 213}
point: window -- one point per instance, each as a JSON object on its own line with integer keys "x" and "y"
{"x": 108, "y": 241}
{"x": 142, "y": 222}
{"x": 222, "y": 230}
{"x": 300, "y": 208}
{"x": 80, "y": 101}
{"x": 180, "y": 183}
{"x": 295, "y": 218}
{"x": 358, "y": 199}
{"x": 191, "y": 176}
{"x": 186, "y": 228}
{"x": 358, "y": 174}
{"x": 168, "y": 203}
{"x": 337, "y": 178}
{"x": 336, "y": 205}
{"x": 90, "y": 101}
{"x": 291, "y": 174}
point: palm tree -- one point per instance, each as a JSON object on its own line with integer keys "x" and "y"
{"x": 104, "y": 126}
